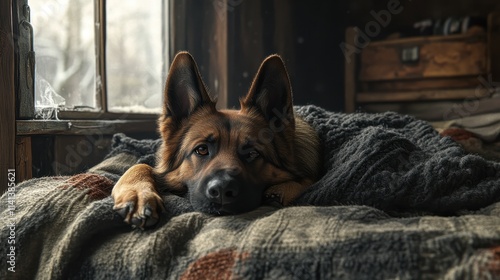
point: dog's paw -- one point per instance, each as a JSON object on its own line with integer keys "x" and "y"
{"x": 274, "y": 200}
{"x": 138, "y": 205}
{"x": 286, "y": 193}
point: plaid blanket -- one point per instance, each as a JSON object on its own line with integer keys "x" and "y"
{"x": 367, "y": 218}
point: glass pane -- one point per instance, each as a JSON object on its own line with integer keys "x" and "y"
{"x": 134, "y": 57}
{"x": 65, "y": 53}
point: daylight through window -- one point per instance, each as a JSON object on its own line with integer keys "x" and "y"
{"x": 66, "y": 41}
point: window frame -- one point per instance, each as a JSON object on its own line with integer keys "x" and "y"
{"x": 179, "y": 33}
{"x": 101, "y": 111}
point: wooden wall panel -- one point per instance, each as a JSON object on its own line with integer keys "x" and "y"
{"x": 200, "y": 27}
{"x": 7, "y": 106}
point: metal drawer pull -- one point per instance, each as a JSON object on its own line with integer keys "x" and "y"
{"x": 410, "y": 55}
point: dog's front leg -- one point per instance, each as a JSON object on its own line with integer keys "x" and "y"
{"x": 136, "y": 198}
{"x": 286, "y": 193}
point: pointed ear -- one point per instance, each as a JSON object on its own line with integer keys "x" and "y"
{"x": 184, "y": 89}
{"x": 271, "y": 93}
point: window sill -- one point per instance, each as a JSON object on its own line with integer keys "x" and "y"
{"x": 84, "y": 115}
{"x": 83, "y": 127}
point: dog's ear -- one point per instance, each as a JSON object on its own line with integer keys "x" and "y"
{"x": 184, "y": 89}
{"x": 271, "y": 92}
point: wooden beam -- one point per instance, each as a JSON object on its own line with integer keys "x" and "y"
{"x": 25, "y": 60}
{"x": 412, "y": 96}
{"x": 84, "y": 127}
{"x": 100, "y": 41}
{"x": 494, "y": 45}
{"x": 7, "y": 106}
{"x": 200, "y": 27}
{"x": 24, "y": 160}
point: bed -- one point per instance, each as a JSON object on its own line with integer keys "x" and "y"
{"x": 396, "y": 201}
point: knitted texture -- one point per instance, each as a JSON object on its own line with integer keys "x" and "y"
{"x": 395, "y": 162}
{"x": 64, "y": 229}
{"x": 62, "y": 232}
{"x": 143, "y": 149}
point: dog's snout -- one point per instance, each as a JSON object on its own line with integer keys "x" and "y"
{"x": 233, "y": 171}
{"x": 222, "y": 191}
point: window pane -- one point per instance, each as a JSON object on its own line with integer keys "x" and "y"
{"x": 65, "y": 53}
{"x": 134, "y": 57}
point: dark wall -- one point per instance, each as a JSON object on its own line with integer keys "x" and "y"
{"x": 305, "y": 33}
{"x": 319, "y": 69}
{"x": 200, "y": 27}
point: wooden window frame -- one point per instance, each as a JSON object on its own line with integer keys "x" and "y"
{"x": 26, "y": 99}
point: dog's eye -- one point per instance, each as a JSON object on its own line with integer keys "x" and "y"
{"x": 252, "y": 155}
{"x": 201, "y": 150}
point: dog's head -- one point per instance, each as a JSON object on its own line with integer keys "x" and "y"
{"x": 225, "y": 159}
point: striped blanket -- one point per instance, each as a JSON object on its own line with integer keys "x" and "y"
{"x": 396, "y": 201}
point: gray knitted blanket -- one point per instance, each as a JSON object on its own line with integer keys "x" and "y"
{"x": 369, "y": 217}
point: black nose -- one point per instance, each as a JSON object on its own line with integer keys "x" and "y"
{"x": 222, "y": 190}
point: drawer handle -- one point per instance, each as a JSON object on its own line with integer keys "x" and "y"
{"x": 410, "y": 55}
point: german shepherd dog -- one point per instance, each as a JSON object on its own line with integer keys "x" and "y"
{"x": 224, "y": 161}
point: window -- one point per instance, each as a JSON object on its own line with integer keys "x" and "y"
{"x": 134, "y": 57}
{"x": 102, "y": 56}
